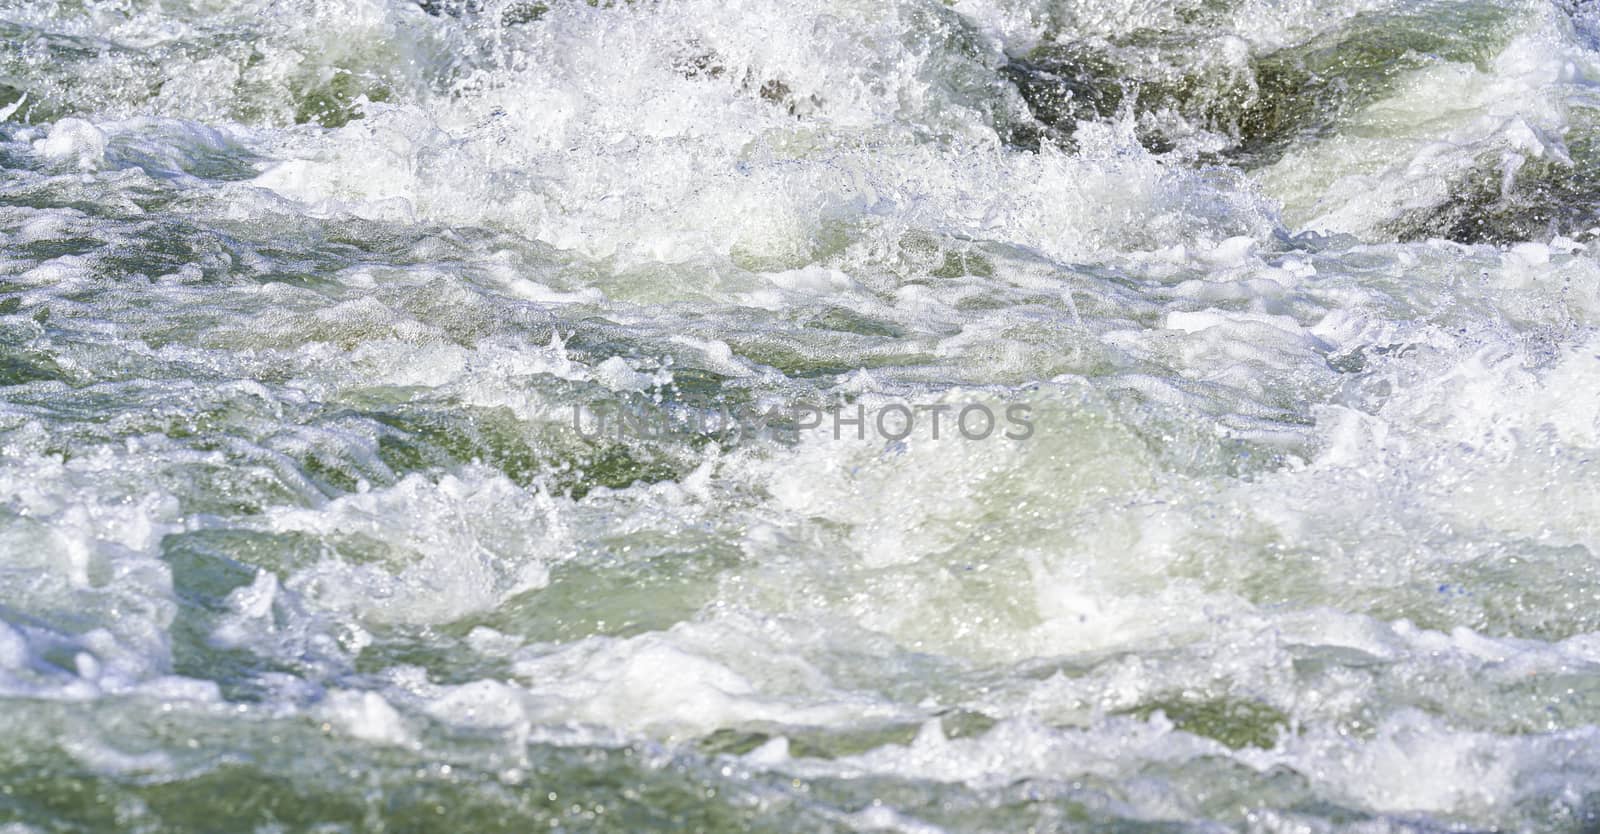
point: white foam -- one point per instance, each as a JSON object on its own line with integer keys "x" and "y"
{"x": 366, "y": 716}
{"x": 76, "y": 141}
{"x": 452, "y": 547}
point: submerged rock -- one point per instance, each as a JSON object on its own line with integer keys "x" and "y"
{"x": 1259, "y": 104}
{"x": 1062, "y": 85}
{"x": 1503, "y": 203}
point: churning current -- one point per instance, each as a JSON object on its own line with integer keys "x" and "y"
{"x": 799, "y": 415}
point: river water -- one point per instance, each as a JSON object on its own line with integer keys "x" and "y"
{"x": 309, "y": 310}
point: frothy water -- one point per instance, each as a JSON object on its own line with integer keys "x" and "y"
{"x": 301, "y": 298}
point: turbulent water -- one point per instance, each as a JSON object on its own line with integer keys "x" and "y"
{"x": 308, "y": 309}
